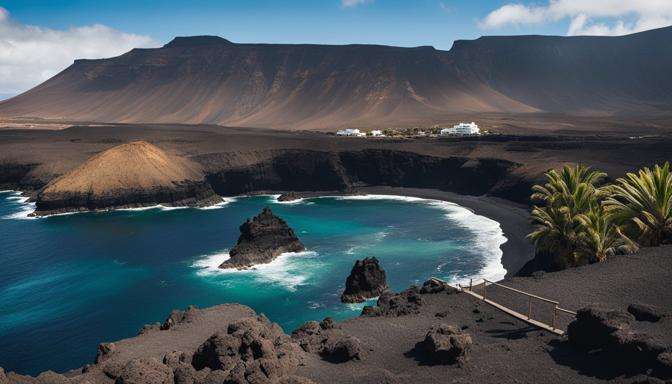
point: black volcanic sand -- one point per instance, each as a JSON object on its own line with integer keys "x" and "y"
{"x": 507, "y": 350}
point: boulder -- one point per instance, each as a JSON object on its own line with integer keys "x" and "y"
{"x": 328, "y": 342}
{"x": 3, "y": 377}
{"x": 104, "y": 351}
{"x": 178, "y": 316}
{"x": 436, "y": 286}
{"x": 367, "y": 279}
{"x": 328, "y": 323}
{"x": 644, "y": 312}
{"x": 665, "y": 361}
{"x": 185, "y": 374}
{"x": 262, "y": 239}
{"x": 399, "y": 304}
{"x": 176, "y": 358}
{"x": 594, "y": 326}
{"x": 251, "y": 350}
{"x": 289, "y": 196}
{"x": 145, "y": 371}
{"x": 447, "y": 344}
{"x": 342, "y": 349}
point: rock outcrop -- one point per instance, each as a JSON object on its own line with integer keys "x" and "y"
{"x": 289, "y": 196}
{"x": 618, "y": 336}
{"x": 328, "y": 342}
{"x": 129, "y": 175}
{"x": 447, "y": 344}
{"x": 395, "y": 304}
{"x": 262, "y": 239}
{"x": 367, "y": 279}
{"x": 433, "y": 285}
{"x": 252, "y": 350}
{"x": 644, "y": 312}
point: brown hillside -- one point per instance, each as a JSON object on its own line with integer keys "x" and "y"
{"x": 207, "y": 79}
{"x": 137, "y": 173}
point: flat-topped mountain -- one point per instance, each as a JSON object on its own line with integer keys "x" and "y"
{"x": 132, "y": 174}
{"x": 208, "y": 79}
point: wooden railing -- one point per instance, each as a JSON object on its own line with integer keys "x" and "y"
{"x": 527, "y": 318}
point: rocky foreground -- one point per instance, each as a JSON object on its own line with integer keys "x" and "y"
{"x": 425, "y": 334}
{"x": 129, "y": 175}
{"x": 262, "y": 239}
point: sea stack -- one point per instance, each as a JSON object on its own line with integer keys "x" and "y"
{"x": 262, "y": 239}
{"x": 367, "y": 279}
{"x": 129, "y": 175}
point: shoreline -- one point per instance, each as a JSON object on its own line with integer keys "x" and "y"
{"x": 513, "y": 218}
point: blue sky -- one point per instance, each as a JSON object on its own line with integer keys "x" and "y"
{"x": 395, "y": 22}
{"x": 39, "y": 38}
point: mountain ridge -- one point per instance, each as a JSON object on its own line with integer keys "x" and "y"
{"x": 208, "y": 79}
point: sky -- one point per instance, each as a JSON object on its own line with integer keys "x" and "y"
{"x": 39, "y": 38}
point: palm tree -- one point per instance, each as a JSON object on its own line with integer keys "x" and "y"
{"x": 568, "y": 193}
{"x": 644, "y": 200}
{"x": 599, "y": 237}
{"x": 554, "y": 233}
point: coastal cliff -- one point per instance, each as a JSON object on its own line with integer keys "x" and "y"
{"x": 262, "y": 239}
{"x": 307, "y": 170}
{"x": 129, "y": 175}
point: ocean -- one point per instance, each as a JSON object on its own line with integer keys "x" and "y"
{"x": 69, "y": 282}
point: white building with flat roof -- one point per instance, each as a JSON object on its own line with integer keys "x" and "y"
{"x": 350, "y": 132}
{"x": 377, "y": 133}
{"x": 462, "y": 129}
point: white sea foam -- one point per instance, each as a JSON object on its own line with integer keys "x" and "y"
{"x": 26, "y": 208}
{"x": 488, "y": 233}
{"x": 275, "y": 200}
{"x": 225, "y": 201}
{"x": 488, "y": 241}
{"x": 409, "y": 199}
{"x": 283, "y": 270}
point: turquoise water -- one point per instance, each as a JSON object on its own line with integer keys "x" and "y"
{"x": 69, "y": 282}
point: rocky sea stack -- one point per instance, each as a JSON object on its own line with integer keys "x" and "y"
{"x": 262, "y": 239}
{"x": 367, "y": 279}
{"x": 129, "y": 175}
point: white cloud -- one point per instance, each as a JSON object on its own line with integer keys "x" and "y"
{"x": 594, "y": 17}
{"x": 354, "y": 3}
{"x": 31, "y": 54}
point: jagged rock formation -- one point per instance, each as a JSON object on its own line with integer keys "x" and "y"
{"x": 207, "y": 79}
{"x": 366, "y": 280}
{"x": 252, "y": 350}
{"x": 129, "y": 175}
{"x": 327, "y": 341}
{"x": 622, "y": 339}
{"x": 289, "y": 196}
{"x": 262, "y": 239}
{"x": 447, "y": 344}
{"x": 224, "y": 344}
{"x": 395, "y": 304}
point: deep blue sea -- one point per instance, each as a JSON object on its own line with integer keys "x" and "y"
{"x": 72, "y": 281}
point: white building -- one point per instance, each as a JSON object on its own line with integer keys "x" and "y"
{"x": 377, "y": 133}
{"x": 350, "y": 132}
{"x": 462, "y": 129}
